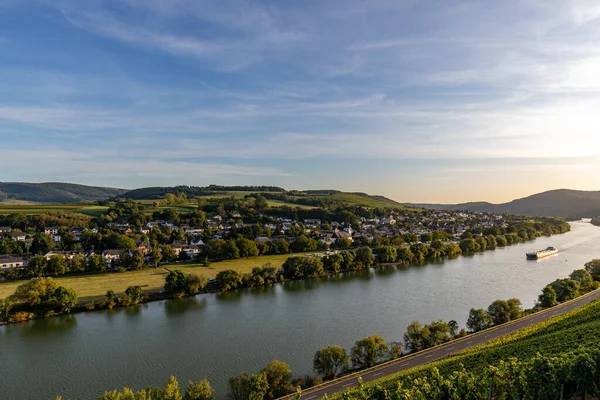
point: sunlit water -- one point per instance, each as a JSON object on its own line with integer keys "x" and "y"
{"x": 219, "y": 335}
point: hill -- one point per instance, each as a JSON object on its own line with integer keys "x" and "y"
{"x": 571, "y": 204}
{"x": 275, "y": 195}
{"x": 54, "y": 192}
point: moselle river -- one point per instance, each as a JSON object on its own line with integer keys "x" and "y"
{"x": 216, "y": 336}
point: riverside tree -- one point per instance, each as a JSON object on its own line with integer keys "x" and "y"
{"x": 331, "y": 361}
{"x": 369, "y": 351}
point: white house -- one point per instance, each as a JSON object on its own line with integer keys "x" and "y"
{"x": 11, "y": 262}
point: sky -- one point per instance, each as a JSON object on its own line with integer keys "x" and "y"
{"x": 421, "y": 101}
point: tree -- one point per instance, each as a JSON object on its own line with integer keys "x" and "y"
{"x": 238, "y": 387}
{"x": 133, "y": 260}
{"x": 134, "y": 293}
{"x": 41, "y": 244}
{"x": 57, "y": 265}
{"x": 64, "y": 299}
{"x": 260, "y": 203}
{"x": 258, "y": 387}
{"x": 36, "y": 267}
{"x": 37, "y": 291}
{"x": 230, "y": 250}
{"x": 515, "y": 308}
{"x": 155, "y": 256}
{"x": 363, "y": 256}
{"x": 228, "y": 279}
{"x": 278, "y": 376}
{"x": 68, "y": 241}
{"x": 167, "y": 252}
{"x": 199, "y": 391}
{"x": 566, "y": 289}
{"x": 584, "y": 371}
{"x": 96, "y": 263}
{"x": 548, "y": 297}
{"x": 77, "y": 263}
{"x": 413, "y": 338}
{"x": 330, "y": 361}
{"x": 469, "y": 246}
{"x": 586, "y": 282}
{"x": 194, "y": 283}
{"x": 593, "y": 267}
{"x": 246, "y": 247}
{"x": 499, "y": 312}
{"x": 171, "y": 390}
{"x": 369, "y": 351}
{"x": 175, "y": 283}
{"x": 5, "y": 308}
{"x": 478, "y": 320}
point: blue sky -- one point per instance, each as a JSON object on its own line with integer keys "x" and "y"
{"x": 424, "y": 101}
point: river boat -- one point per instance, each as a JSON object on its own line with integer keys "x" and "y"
{"x": 536, "y": 255}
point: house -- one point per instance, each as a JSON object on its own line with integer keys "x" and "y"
{"x": 112, "y": 255}
{"x": 11, "y": 262}
{"x": 262, "y": 239}
{"x": 5, "y": 229}
{"x": 337, "y": 234}
{"x": 312, "y": 221}
{"x": 66, "y": 254}
{"x": 144, "y": 247}
{"x": 178, "y": 246}
{"x": 57, "y": 238}
{"x": 144, "y": 230}
{"x": 50, "y": 230}
{"x": 197, "y": 242}
{"x": 18, "y": 236}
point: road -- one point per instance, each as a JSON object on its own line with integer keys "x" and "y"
{"x": 442, "y": 351}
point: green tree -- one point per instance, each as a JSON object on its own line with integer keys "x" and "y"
{"x": 593, "y": 267}
{"x": 168, "y": 254}
{"x": 96, "y": 263}
{"x": 133, "y": 260}
{"x": 246, "y": 247}
{"x": 260, "y": 203}
{"x": 36, "y": 267}
{"x": 155, "y": 256}
{"x": 175, "y": 283}
{"x": 228, "y": 279}
{"x": 77, "y": 263}
{"x": 57, "y": 265}
{"x": 586, "y": 282}
{"x": 134, "y": 293}
{"x": 478, "y": 320}
{"x": 238, "y": 387}
{"x": 584, "y": 371}
{"x": 369, "y": 351}
{"x": 364, "y": 257}
{"x": 547, "y": 298}
{"x": 199, "y": 391}
{"x": 37, "y": 291}
{"x": 331, "y": 361}
{"x": 499, "y": 312}
{"x": 5, "y": 308}
{"x": 64, "y": 299}
{"x": 230, "y": 250}
{"x": 171, "y": 390}
{"x": 278, "y": 376}
{"x": 413, "y": 337}
{"x": 566, "y": 289}
{"x": 41, "y": 244}
{"x": 258, "y": 387}
{"x": 515, "y": 307}
{"x": 194, "y": 283}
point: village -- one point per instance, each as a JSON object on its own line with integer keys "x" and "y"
{"x": 183, "y": 242}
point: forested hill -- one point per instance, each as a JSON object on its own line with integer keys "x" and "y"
{"x": 276, "y": 195}
{"x": 55, "y": 192}
{"x": 572, "y": 204}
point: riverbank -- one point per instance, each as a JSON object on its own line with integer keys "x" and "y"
{"x": 100, "y": 285}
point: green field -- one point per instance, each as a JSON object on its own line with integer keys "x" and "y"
{"x": 93, "y": 287}
{"x": 35, "y": 209}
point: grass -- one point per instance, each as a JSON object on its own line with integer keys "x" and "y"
{"x": 35, "y": 209}
{"x": 93, "y": 287}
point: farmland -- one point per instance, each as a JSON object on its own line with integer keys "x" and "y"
{"x": 36, "y": 209}
{"x": 93, "y": 287}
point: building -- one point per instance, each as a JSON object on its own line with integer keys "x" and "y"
{"x": 18, "y": 236}
{"x": 5, "y": 229}
{"x": 8, "y": 262}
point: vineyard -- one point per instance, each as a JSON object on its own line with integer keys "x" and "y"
{"x": 562, "y": 342}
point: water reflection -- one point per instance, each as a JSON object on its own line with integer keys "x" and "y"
{"x": 179, "y": 306}
{"x": 54, "y": 325}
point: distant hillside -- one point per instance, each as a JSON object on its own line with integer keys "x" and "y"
{"x": 312, "y": 198}
{"x": 571, "y": 204}
{"x": 55, "y": 192}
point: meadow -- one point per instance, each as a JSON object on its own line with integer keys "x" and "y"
{"x": 93, "y": 287}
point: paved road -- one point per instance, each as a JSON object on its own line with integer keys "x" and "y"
{"x": 442, "y": 351}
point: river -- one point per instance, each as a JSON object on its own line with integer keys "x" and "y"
{"x": 219, "y": 335}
